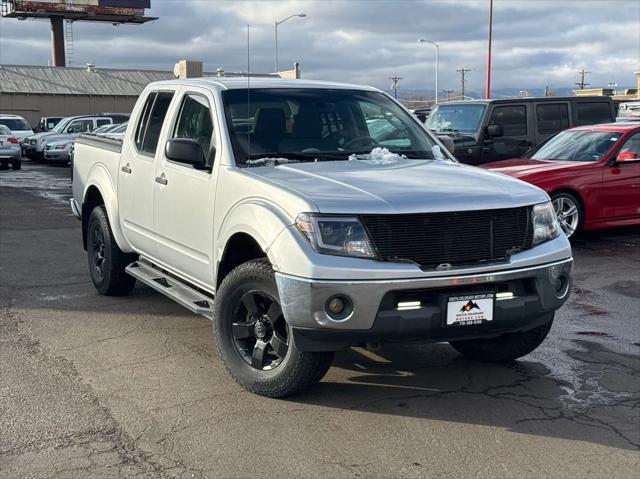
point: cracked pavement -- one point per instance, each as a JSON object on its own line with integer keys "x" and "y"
{"x": 131, "y": 387}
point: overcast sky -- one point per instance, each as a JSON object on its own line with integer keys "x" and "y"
{"x": 536, "y": 43}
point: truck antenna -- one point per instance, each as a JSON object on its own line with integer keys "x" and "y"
{"x": 248, "y": 90}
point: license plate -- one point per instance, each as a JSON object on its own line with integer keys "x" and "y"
{"x": 470, "y": 309}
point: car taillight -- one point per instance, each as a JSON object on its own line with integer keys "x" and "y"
{"x": 12, "y": 140}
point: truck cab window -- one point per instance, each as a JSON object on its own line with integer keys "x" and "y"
{"x": 552, "y": 117}
{"x": 592, "y": 113}
{"x": 194, "y": 122}
{"x": 80, "y": 126}
{"x": 151, "y": 121}
{"x": 512, "y": 118}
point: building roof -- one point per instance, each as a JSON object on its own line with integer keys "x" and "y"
{"x": 77, "y": 81}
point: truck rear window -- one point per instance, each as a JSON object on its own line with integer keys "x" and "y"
{"x": 151, "y": 121}
{"x": 592, "y": 113}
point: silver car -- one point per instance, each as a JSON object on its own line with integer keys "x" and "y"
{"x": 10, "y": 152}
{"x": 58, "y": 151}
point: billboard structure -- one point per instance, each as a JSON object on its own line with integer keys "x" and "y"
{"x": 56, "y": 11}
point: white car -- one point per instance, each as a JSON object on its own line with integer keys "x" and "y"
{"x": 18, "y": 125}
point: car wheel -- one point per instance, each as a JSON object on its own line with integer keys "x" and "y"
{"x": 505, "y": 348}
{"x": 16, "y": 164}
{"x": 107, "y": 262}
{"x": 254, "y": 339}
{"x": 3, "y": 165}
{"x": 569, "y": 212}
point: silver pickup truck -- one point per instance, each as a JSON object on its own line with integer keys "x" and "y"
{"x": 304, "y": 217}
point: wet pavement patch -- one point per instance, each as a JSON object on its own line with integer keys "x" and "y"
{"x": 592, "y": 333}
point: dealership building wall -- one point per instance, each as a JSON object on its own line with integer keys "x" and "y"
{"x": 33, "y": 91}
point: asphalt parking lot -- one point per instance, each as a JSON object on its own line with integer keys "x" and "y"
{"x": 92, "y": 386}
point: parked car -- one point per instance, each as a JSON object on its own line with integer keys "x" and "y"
{"x": 18, "y": 125}
{"x": 48, "y": 123}
{"x": 494, "y": 130}
{"x": 113, "y": 131}
{"x": 58, "y": 151}
{"x": 9, "y": 149}
{"x": 284, "y": 220}
{"x": 629, "y": 111}
{"x": 422, "y": 113}
{"x": 592, "y": 174}
{"x": 71, "y": 127}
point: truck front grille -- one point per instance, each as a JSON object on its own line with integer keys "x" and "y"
{"x": 454, "y": 238}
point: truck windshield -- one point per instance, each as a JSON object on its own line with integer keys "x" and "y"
{"x": 319, "y": 125}
{"x": 456, "y": 118}
{"x": 577, "y": 145}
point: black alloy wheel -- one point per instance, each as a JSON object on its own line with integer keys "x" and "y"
{"x": 98, "y": 250}
{"x": 260, "y": 332}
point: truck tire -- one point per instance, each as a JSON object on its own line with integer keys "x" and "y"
{"x": 254, "y": 339}
{"x": 505, "y": 348}
{"x": 107, "y": 262}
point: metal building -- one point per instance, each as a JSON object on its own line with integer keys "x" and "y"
{"x": 33, "y": 92}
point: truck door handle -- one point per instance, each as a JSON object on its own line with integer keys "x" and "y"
{"x": 126, "y": 169}
{"x": 162, "y": 179}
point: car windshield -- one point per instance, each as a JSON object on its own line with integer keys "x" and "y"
{"x": 320, "y": 125}
{"x": 4, "y": 131}
{"x": 577, "y": 145}
{"x": 15, "y": 124}
{"x": 456, "y": 118}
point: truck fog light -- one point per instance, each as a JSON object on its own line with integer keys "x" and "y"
{"x": 560, "y": 285}
{"x": 338, "y": 307}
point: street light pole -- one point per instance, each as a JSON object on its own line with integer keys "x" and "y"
{"x": 422, "y": 40}
{"x": 277, "y": 24}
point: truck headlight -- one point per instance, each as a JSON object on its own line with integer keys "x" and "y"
{"x": 545, "y": 223}
{"x": 337, "y": 235}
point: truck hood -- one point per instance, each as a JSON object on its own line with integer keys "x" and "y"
{"x": 407, "y": 186}
{"x": 522, "y": 167}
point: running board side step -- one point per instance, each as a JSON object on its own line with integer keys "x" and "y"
{"x": 178, "y": 291}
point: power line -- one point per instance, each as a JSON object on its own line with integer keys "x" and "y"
{"x": 463, "y": 72}
{"x": 394, "y": 86}
{"x": 582, "y": 84}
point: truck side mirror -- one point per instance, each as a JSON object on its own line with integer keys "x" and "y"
{"x": 448, "y": 143}
{"x": 187, "y": 152}
{"x": 494, "y": 130}
{"x": 627, "y": 157}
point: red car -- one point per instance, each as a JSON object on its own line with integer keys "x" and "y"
{"x": 592, "y": 174}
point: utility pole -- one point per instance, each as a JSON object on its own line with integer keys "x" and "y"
{"x": 582, "y": 84}
{"x": 394, "y": 85}
{"x": 448, "y": 92}
{"x": 487, "y": 93}
{"x": 463, "y": 72}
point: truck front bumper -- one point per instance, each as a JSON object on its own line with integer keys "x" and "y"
{"x": 524, "y": 299}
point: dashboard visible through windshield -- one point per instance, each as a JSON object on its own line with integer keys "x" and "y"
{"x": 309, "y": 124}
{"x": 456, "y": 118}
